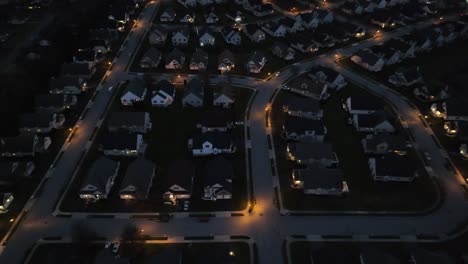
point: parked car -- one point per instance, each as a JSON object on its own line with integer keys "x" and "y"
{"x": 186, "y": 205}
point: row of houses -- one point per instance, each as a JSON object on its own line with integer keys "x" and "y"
{"x": 383, "y": 143}
{"x": 396, "y": 50}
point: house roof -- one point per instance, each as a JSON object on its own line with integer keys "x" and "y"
{"x": 299, "y": 103}
{"x": 100, "y": 171}
{"x": 311, "y": 150}
{"x": 120, "y": 119}
{"x": 410, "y": 73}
{"x": 367, "y": 57}
{"x": 138, "y": 177}
{"x": 136, "y": 86}
{"x": 218, "y": 171}
{"x": 376, "y": 256}
{"x": 287, "y": 21}
{"x": 330, "y": 75}
{"x": 252, "y": 29}
{"x": 365, "y": 102}
{"x": 206, "y": 30}
{"x": 176, "y": 55}
{"x": 280, "y": 45}
{"x": 36, "y": 119}
{"x": 152, "y": 54}
{"x": 394, "y": 141}
{"x": 165, "y": 86}
{"x": 120, "y": 140}
{"x": 272, "y": 26}
{"x": 257, "y": 58}
{"x": 160, "y": 30}
{"x": 385, "y": 51}
{"x": 226, "y": 55}
{"x": 181, "y": 173}
{"x": 301, "y": 125}
{"x": 226, "y": 91}
{"x": 169, "y": 11}
{"x": 316, "y": 177}
{"x": 20, "y": 143}
{"x": 196, "y": 87}
{"x": 183, "y": 30}
{"x": 199, "y": 56}
{"x": 220, "y": 140}
{"x": 85, "y": 55}
{"x": 305, "y": 83}
{"x": 374, "y": 119}
{"x": 423, "y": 256}
{"x": 395, "y": 165}
{"x": 62, "y": 81}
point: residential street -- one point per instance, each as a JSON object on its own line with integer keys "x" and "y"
{"x": 267, "y": 225}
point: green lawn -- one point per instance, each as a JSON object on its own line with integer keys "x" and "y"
{"x": 365, "y": 194}
{"x": 172, "y": 127}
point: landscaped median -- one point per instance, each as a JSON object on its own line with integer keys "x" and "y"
{"x": 166, "y": 143}
{"x": 365, "y": 196}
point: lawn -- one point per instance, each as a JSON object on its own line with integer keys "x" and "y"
{"x": 138, "y": 253}
{"x": 365, "y": 194}
{"x": 172, "y": 127}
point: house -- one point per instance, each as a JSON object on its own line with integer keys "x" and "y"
{"x": 382, "y": 144}
{"x": 302, "y": 107}
{"x": 393, "y": 167}
{"x": 274, "y": 29}
{"x": 406, "y": 50}
{"x": 332, "y": 78}
{"x": 188, "y": 18}
{"x": 352, "y": 8}
{"x": 85, "y": 56}
{"x": 377, "y": 122}
{"x": 178, "y": 181}
{"x": 174, "y": 60}
{"x": 424, "y": 256}
{"x": 296, "y": 128}
{"x": 135, "y": 92}
{"x": 168, "y": 15}
{"x": 421, "y": 42}
{"x": 150, "y": 59}
{"x": 251, "y": 4}
{"x": 223, "y": 98}
{"x": 54, "y": 102}
{"x": 217, "y": 179}
{"x": 165, "y": 94}
{"x": 235, "y": 15}
{"x": 180, "y": 37}
{"x": 292, "y": 25}
{"x": 24, "y": 145}
{"x": 199, "y": 60}
{"x": 323, "y": 40}
{"x": 254, "y": 33}
{"x": 303, "y": 43}
{"x": 99, "y": 46}
{"x": 211, "y": 18}
{"x": 453, "y": 109}
{"x": 307, "y": 87}
{"x": 389, "y": 54}
{"x": 323, "y": 16}
{"x": 431, "y": 93}
{"x": 368, "y": 60}
{"x": 12, "y": 172}
{"x": 319, "y": 181}
{"x": 6, "y": 199}
{"x": 373, "y": 256}
{"x": 134, "y": 122}
{"x": 320, "y": 153}
{"x": 40, "y": 122}
{"x": 226, "y": 61}
{"x": 308, "y": 20}
{"x": 118, "y": 12}
{"x": 193, "y": 93}
{"x": 231, "y": 36}
{"x": 99, "y": 179}
{"x": 67, "y": 85}
{"x": 206, "y": 37}
{"x": 80, "y": 70}
{"x": 263, "y": 10}
{"x": 188, "y": 3}
{"x": 407, "y": 76}
{"x": 122, "y": 143}
{"x": 211, "y": 143}
{"x": 157, "y": 35}
{"x": 216, "y": 120}
{"x": 283, "y": 51}
{"x": 363, "y": 104}
{"x": 138, "y": 180}
{"x": 256, "y": 62}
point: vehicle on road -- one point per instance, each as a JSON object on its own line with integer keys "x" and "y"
{"x": 115, "y": 248}
{"x": 427, "y": 157}
{"x": 277, "y": 73}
